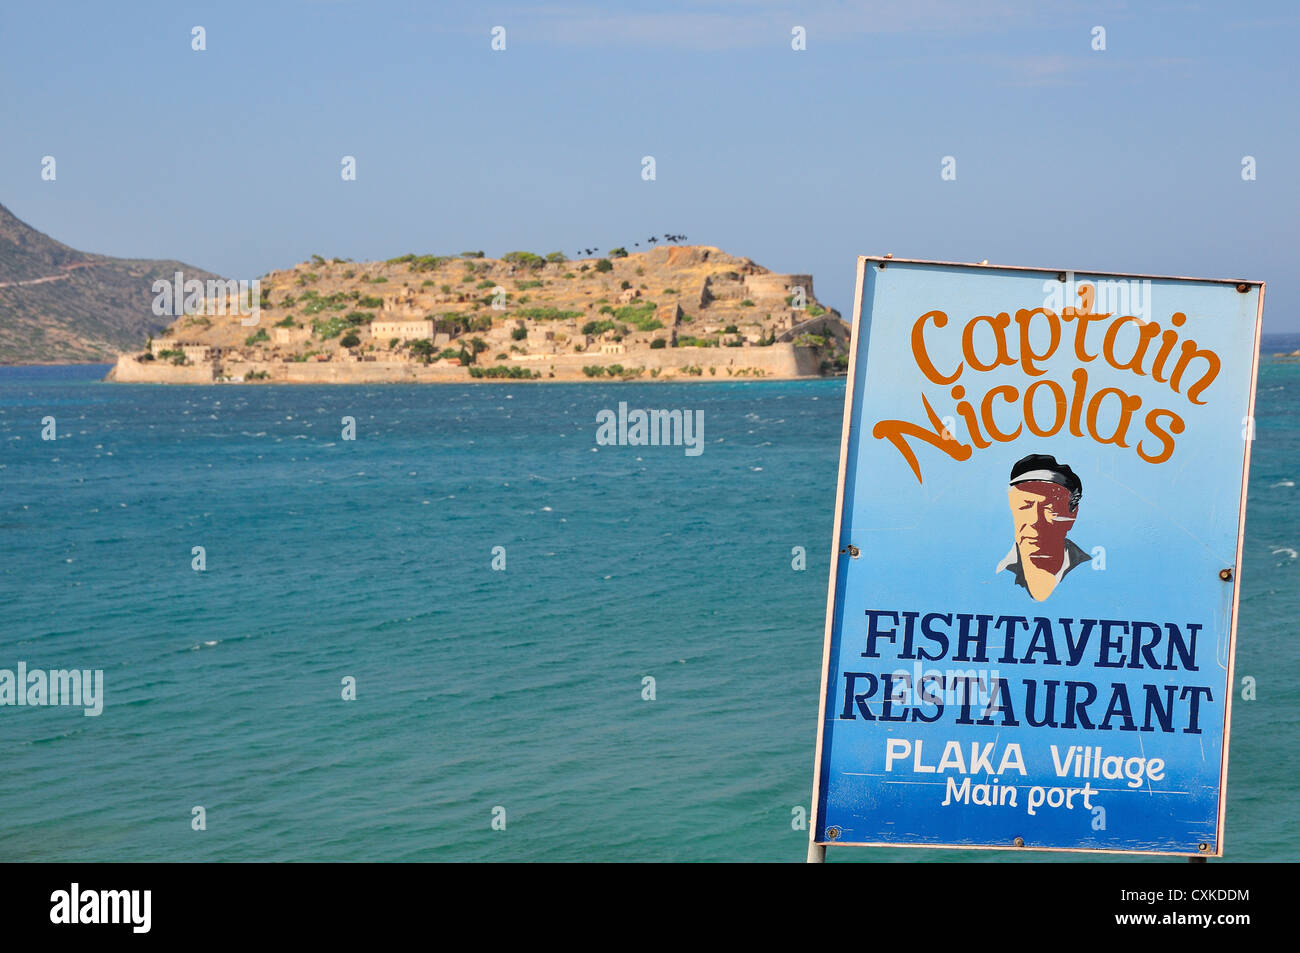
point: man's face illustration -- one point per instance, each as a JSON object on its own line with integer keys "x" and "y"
{"x": 1041, "y": 513}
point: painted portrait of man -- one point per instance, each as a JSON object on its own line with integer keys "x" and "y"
{"x": 1044, "y": 498}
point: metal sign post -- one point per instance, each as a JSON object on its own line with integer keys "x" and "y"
{"x": 1031, "y": 615}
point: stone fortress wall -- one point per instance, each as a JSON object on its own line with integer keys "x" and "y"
{"x": 777, "y": 286}
{"x": 775, "y": 361}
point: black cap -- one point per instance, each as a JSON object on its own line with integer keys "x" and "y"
{"x": 1043, "y": 467}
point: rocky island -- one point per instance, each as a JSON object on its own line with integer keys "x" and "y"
{"x": 670, "y": 313}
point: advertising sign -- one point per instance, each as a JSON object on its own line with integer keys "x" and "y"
{"x": 1032, "y": 607}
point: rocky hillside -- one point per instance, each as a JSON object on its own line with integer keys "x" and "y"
{"x": 60, "y": 305}
{"x": 671, "y": 311}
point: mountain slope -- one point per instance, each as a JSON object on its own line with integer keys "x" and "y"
{"x": 60, "y": 305}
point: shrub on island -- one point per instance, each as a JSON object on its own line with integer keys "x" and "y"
{"x": 546, "y": 314}
{"x": 525, "y": 258}
{"x": 501, "y": 371}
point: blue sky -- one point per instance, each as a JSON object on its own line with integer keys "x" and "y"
{"x": 1127, "y": 159}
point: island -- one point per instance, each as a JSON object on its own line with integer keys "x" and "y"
{"x": 681, "y": 312}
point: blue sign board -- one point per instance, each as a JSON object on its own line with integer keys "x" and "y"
{"x": 1032, "y": 615}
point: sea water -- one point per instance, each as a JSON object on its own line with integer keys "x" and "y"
{"x": 560, "y": 649}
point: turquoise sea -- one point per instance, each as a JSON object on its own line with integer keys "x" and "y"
{"x": 476, "y": 688}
